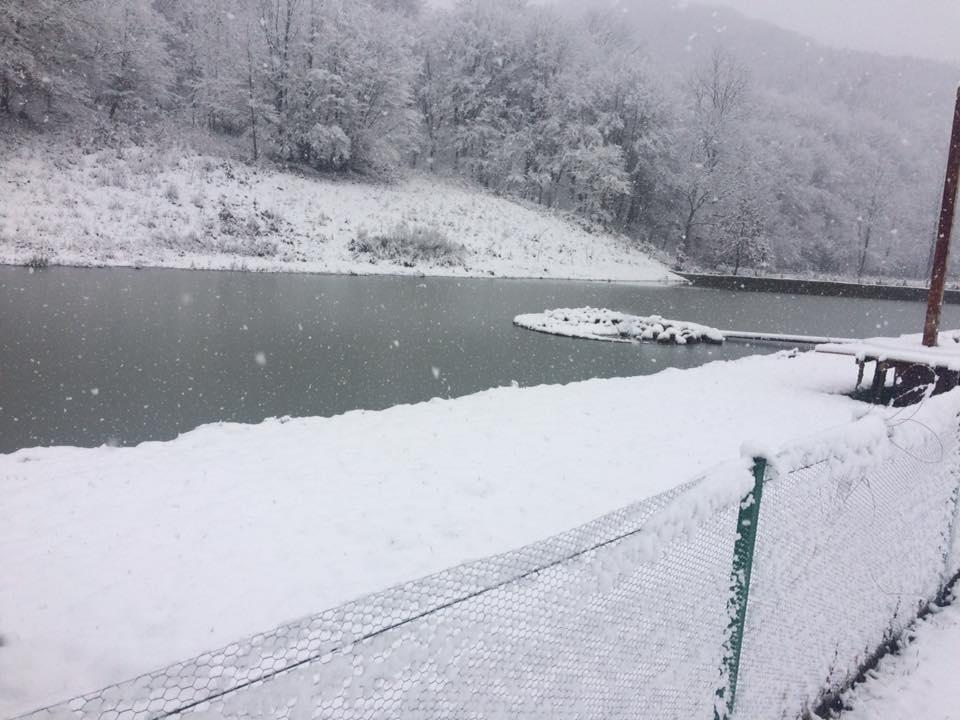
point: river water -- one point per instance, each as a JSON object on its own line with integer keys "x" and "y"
{"x": 93, "y": 356}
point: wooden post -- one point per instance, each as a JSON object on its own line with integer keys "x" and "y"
{"x": 938, "y": 276}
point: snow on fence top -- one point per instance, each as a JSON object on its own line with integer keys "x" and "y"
{"x": 629, "y": 615}
{"x": 601, "y": 324}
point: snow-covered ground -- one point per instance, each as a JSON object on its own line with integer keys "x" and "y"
{"x": 118, "y": 561}
{"x": 176, "y": 208}
{"x": 919, "y": 682}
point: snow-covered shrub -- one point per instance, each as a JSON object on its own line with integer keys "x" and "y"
{"x": 233, "y": 222}
{"x": 251, "y": 247}
{"x": 172, "y": 193}
{"x": 37, "y": 261}
{"x": 180, "y": 242}
{"x": 409, "y": 246}
{"x": 327, "y": 145}
{"x": 256, "y": 233}
{"x": 112, "y": 175}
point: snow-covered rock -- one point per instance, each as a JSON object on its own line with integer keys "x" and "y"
{"x": 603, "y": 324}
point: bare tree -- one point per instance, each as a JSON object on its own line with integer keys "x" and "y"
{"x": 277, "y": 20}
{"x": 252, "y": 91}
{"x": 717, "y": 90}
{"x": 740, "y": 240}
{"x": 719, "y": 86}
{"x": 868, "y": 218}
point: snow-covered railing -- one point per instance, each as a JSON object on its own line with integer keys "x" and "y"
{"x": 759, "y": 588}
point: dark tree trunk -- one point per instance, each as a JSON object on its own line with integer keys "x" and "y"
{"x": 5, "y": 95}
{"x": 863, "y": 254}
{"x": 686, "y": 242}
{"x": 250, "y": 98}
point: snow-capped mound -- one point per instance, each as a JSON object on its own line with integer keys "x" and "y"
{"x": 603, "y": 324}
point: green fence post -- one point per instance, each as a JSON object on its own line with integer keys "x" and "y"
{"x": 739, "y": 591}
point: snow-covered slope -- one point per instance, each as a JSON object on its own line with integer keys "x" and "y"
{"x": 173, "y": 207}
{"x": 122, "y": 560}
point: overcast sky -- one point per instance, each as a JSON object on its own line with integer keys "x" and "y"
{"x": 925, "y": 28}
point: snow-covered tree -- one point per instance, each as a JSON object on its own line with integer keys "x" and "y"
{"x": 349, "y": 102}
{"x": 214, "y": 47}
{"x": 282, "y": 22}
{"x": 45, "y": 46}
{"x": 716, "y": 92}
{"x": 740, "y": 236}
{"x": 518, "y": 97}
{"x": 579, "y": 106}
{"x": 131, "y": 62}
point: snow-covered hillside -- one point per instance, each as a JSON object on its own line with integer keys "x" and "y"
{"x": 176, "y": 208}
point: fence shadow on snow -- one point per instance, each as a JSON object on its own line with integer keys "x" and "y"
{"x": 756, "y": 591}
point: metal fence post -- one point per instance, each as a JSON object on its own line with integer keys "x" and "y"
{"x": 739, "y": 591}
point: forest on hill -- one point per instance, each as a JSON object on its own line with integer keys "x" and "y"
{"x": 721, "y": 141}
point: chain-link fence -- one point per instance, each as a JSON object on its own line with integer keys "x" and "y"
{"x": 847, "y": 555}
{"x": 636, "y": 614}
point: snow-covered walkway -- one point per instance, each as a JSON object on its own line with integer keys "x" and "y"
{"x": 118, "y": 561}
{"x": 922, "y": 681}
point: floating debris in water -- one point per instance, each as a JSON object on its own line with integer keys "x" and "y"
{"x": 603, "y": 324}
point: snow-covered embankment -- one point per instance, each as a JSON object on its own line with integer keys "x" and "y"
{"x": 122, "y": 560}
{"x": 147, "y": 206}
{"x": 918, "y": 682}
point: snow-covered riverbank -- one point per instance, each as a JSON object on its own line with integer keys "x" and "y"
{"x": 121, "y": 560}
{"x": 918, "y": 682}
{"x": 173, "y": 207}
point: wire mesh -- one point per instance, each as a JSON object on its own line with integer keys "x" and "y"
{"x": 588, "y": 624}
{"x": 952, "y": 531}
{"x": 846, "y": 557}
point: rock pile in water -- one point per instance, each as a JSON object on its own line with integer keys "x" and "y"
{"x": 603, "y": 324}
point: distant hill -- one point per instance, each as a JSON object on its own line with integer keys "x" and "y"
{"x": 915, "y": 92}
{"x": 838, "y": 105}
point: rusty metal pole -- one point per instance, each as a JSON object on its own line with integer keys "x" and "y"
{"x": 938, "y": 276}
